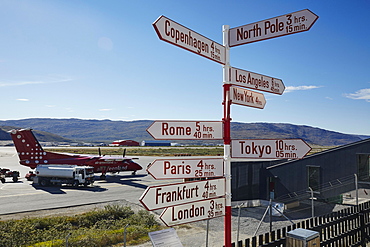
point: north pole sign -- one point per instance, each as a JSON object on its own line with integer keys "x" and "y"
{"x": 269, "y": 149}
{"x": 186, "y": 130}
{"x": 247, "y": 79}
{"x": 192, "y": 212}
{"x": 295, "y": 22}
{"x": 162, "y": 196}
{"x": 176, "y": 34}
{"x": 186, "y": 168}
{"x": 241, "y": 96}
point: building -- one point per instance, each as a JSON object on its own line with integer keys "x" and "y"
{"x": 156, "y": 143}
{"x": 124, "y": 143}
{"x": 328, "y": 174}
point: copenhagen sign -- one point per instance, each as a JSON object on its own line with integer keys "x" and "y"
{"x": 186, "y": 168}
{"x": 269, "y": 149}
{"x": 162, "y": 196}
{"x": 295, "y": 22}
{"x": 186, "y": 130}
{"x": 176, "y": 34}
{"x": 196, "y": 211}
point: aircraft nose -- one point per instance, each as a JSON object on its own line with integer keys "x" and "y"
{"x": 138, "y": 167}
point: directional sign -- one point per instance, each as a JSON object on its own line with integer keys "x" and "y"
{"x": 256, "y": 81}
{"x": 157, "y": 197}
{"x": 186, "y": 130}
{"x": 296, "y": 22}
{"x": 195, "y": 211}
{"x": 245, "y": 97}
{"x": 176, "y": 34}
{"x": 269, "y": 149}
{"x": 186, "y": 168}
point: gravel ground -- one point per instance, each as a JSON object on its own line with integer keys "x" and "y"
{"x": 194, "y": 234}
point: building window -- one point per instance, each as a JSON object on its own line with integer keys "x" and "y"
{"x": 313, "y": 179}
{"x": 363, "y": 167}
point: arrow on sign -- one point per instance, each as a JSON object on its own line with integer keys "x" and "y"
{"x": 157, "y": 197}
{"x": 196, "y": 211}
{"x": 256, "y": 81}
{"x": 269, "y": 149}
{"x": 186, "y": 168}
{"x": 186, "y": 130}
{"x": 176, "y": 34}
{"x": 245, "y": 97}
{"x": 295, "y": 22}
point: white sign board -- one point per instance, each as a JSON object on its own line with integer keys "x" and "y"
{"x": 186, "y": 168}
{"x": 165, "y": 238}
{"x": 186, "y": 130}
{"x": 162, "y": 196}
{"x": 296, "y": 22}
{"x": 176, "y": 34}
{"x": 195, "y": 211}
{"x": 246, "y": 97}
{"x": 256, "y": 81}
{"x": 269, "y": 149}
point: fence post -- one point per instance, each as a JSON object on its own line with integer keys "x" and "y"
{"x": 124, "y": 235}
{"x": 69, "y": 234}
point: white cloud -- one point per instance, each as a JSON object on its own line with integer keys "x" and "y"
{"x": 105, "y": 109}
{"x": 360, "y": 94}
{"x": 46, "y": 80}
{"x": 299, "y": 88}
{"x": 23, "y": 99}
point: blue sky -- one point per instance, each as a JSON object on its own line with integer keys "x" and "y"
{"x": 103, "y": 60}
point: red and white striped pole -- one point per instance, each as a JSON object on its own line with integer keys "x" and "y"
{"x": 227, "y": 140}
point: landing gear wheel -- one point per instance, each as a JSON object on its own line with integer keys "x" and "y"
{"x": 3, "y": 180}
{"x": 133, "y": 173}
{"x": 43, "y": 183}
{"x": 15, "y": 179}
{"x": 103, "y": 176}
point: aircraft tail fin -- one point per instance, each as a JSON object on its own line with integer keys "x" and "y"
{"x": 26, "y": 144}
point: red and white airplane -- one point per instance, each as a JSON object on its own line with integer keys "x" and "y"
{"x": 32, "y": 154}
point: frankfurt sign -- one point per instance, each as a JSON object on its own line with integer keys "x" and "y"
{"x": 162, "y": 196}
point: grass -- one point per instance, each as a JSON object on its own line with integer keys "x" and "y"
{"x": 160, "y": 151}
{"x": 98, "y": 228}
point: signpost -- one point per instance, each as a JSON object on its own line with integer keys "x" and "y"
{"x": 247, "y": 79}
{"x": 246, "y": 97}
{"x": 186, "y": 168}
{"x": 157, "y": 197}
{"x": 295, "y": 22}
{"x": 269, "y": 149}
{"x": 196, "y": 211}
{"x": 203, "y": 193}
{"x": 186, "y": 130}
{"x": 176, "y": 34}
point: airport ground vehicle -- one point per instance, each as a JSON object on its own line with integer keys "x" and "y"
{"x": 63, "y": 174}
{"x": 6, "y": 173}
